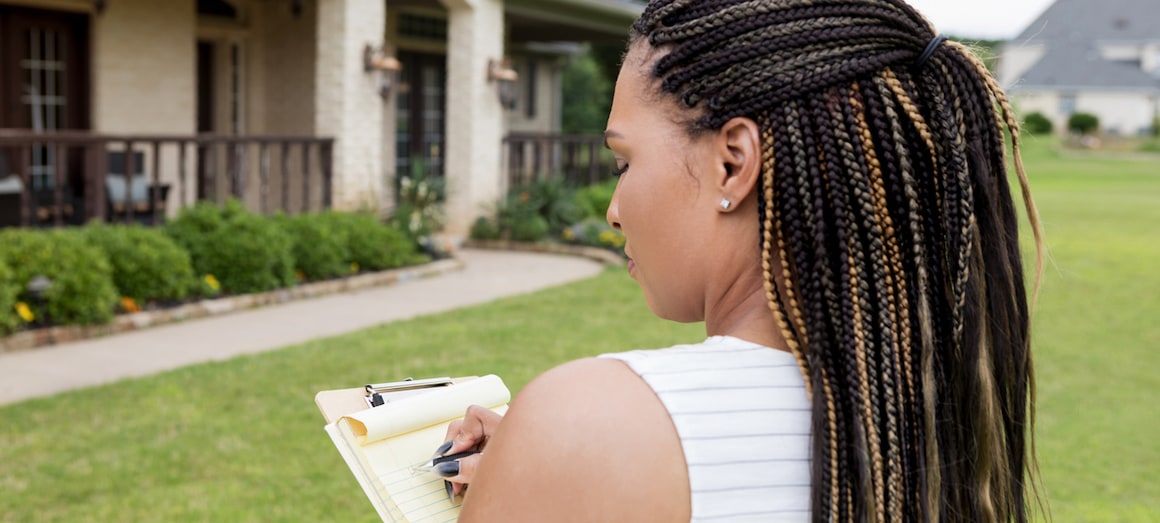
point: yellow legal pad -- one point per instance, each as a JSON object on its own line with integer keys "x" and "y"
{"x": 383, "y": 445}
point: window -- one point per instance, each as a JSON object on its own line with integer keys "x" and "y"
{"x": 1067, "y": 104}
{"x": 423, "y": 27}
{"x": 44, "y": 69}
{"x": 531, "y": 87}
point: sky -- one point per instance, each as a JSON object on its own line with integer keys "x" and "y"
{"x": 984, "y": 19}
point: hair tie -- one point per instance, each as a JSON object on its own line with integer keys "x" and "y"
{"x": 929, "y": 51}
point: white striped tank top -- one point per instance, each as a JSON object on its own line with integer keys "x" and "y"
{"x": 743, "y": 417}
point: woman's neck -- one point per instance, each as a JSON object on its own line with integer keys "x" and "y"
{"x": 742, "y": 311}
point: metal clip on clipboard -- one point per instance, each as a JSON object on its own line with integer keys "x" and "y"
{"x": 376, "y": 392}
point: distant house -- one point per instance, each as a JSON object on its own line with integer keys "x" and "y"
{"x": 1100, "y": 57}
{"x": 289, "y": 104}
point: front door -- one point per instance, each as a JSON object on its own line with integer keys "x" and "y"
{"x": 420, "y": 120}
{"x": 44, "y": 77}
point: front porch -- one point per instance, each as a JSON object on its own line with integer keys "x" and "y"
{"x": 158, "y": 105}
{"x": 71, "y": 177}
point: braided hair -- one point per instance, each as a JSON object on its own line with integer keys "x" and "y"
{"x": 889, "y": 242}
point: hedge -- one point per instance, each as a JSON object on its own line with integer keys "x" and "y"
{"x": 82, "y": 290}
{"x": 9, "y": 290}
{"x": 319, "y": 246}
{"x": 243, "y": 252}
{"x": 373, "y": 245}
{"x": 147, "y": 264}
{"x": 227, "y": 248}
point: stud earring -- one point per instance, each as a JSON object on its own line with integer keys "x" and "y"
{"x": 726, "y": 204}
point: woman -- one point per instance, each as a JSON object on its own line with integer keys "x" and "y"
{"x": 822, "y": 182}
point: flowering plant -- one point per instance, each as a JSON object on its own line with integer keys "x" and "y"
{"x": 420, "y": 209}
{"x": 25, "y": 312}
{"x": 594, "y": 232}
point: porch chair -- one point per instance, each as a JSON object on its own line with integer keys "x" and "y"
{"x": 132, "y": 192}
{"x": 43, "y": 202}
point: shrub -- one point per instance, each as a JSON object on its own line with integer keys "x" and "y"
{"x": 530, "y": 228}
{"x": 1083, "y": 123}
{"x": 9, "y": 290}
{"x": 555, "y": 202}
{"x": 485, "y": 228}
{"x": 1037, "y": 123}
{"x": 320, "y": 245}
{"x": 244, "y": 252}
{"x": 82, "y": 290}
{"x": 147, "y": 264}
{"x": 532, "y": 211}
{"x": 373, "y": 245}
{"x": 517, "y": 206}
{"x": 594, "y": 200}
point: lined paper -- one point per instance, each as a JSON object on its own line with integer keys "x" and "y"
{"x": 383, "y": 445}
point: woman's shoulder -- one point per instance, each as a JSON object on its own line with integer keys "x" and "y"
{"x": 587, "y": 440}
{"x": 715, "y": 354}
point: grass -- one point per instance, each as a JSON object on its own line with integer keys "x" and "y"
{"x": 1096, "y": 336}
{"x": 241, "y": 440}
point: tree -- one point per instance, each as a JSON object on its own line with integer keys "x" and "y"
{"x": 587, "y": 96}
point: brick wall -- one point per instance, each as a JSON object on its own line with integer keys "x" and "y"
{"x": 144, "y": 71}
{"x": 286, "y": 66}
{"x": 347, "y": 104}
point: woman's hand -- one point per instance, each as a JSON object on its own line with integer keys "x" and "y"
{"x": 470, "y": 433}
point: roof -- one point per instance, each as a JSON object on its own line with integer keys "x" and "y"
{"x": 570, "y": 20}
{"x": 1080, "y": 66}
{"x": 1071, "y": 33}
{"x": 626, "y": 8}
{"x": 1095, "y": 20}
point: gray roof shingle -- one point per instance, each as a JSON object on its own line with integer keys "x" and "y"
{"x": 1093, "y": 20}
{"x": 1070, "y": 30}
{"x": 1081, "y": 66}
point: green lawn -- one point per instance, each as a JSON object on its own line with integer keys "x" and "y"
{"x": 1096, "y": 335}
{"x": 242, "y": 441}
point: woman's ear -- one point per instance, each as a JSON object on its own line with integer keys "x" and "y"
{"x": 738, "y": 151}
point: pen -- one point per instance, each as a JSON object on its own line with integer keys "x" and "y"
{"x": 444, "y": 459}
{"x": 431, "y": 466}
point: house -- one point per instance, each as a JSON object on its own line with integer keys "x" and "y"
{"x": 288, "y": 104}
{"x": 1099, "y": 57}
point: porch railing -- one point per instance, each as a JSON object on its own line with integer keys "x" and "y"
{"x": 577, "y": 159}
{"x": 66, "y": 177}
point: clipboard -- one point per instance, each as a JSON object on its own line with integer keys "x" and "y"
{"x": 382, "y": 445}
{"x": 335, "y": 404}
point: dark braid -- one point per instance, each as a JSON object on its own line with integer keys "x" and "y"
{"x": 890, "y": 168}
{"x": 838, "y": 361}
{"x": 889, "y": 242}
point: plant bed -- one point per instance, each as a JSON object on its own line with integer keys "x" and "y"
{"x": 159, "y": 313}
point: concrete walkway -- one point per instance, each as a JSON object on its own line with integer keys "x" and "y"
{"x": 489, "y": 275}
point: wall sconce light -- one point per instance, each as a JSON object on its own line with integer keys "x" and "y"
{"x": 99, "y": 5}
{"x": 501, "y": 72}
{"x": 388, "y": 67}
